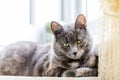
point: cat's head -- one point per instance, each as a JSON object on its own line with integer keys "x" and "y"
{"x": 72, "y": 41}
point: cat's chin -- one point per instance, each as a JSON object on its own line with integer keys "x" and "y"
{"x": 67, "y": 57}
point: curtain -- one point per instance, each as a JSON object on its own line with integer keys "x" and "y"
{"x": 109, "y": 48}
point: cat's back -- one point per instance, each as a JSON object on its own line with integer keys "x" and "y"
{"x": 22, "y": 48}
{"x": 16, "y": 59}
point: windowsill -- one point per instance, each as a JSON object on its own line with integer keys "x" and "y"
{"x": 44, "y": 78}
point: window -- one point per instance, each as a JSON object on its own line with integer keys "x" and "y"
{"x": 66, "y": 11}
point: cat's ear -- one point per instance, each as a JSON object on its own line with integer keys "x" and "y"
{"x": 56, "y": 28}
{"x": 81, "y": 22}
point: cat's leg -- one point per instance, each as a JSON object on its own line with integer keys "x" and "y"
{"x": 56, "y": 72}
{"x": 69, "y": 73}
{"x": 80, "y": 72}
{"x": 85, "y": 72}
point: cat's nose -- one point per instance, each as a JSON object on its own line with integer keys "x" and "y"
{"x": 75, "y": 53}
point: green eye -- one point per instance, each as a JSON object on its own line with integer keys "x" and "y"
{"x": 66, "y": 45}
{"x": 80, "y": 41}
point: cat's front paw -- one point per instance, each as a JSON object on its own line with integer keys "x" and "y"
{"x": 69, "y": 73}
{"x": 85, "y": 72}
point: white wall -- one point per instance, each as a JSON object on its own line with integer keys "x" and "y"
{"x": 93, "y": 10}
{"x": 46, "y": 10}
{"x": 14, "y": 12}
{"x": 14, "y": 21}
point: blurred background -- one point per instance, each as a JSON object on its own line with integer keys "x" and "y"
{"x": 28, "y": 20}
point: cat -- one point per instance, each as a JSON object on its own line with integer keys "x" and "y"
{"x": 69, "y": 55}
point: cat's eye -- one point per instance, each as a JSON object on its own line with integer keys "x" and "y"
{"x": 80, "y": 41}
{"x": 66, "y": 45}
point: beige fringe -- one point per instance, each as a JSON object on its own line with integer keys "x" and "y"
{"x": 109, "y": 49}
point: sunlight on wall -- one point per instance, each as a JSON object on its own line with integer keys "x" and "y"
{"x": 14, "y": 20}
{"x": 45, "y": 11}
{"x": 109, "y": 66}
{"x": 93, "y": 10}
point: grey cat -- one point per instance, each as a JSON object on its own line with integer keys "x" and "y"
{"x": 69, "y": 55}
